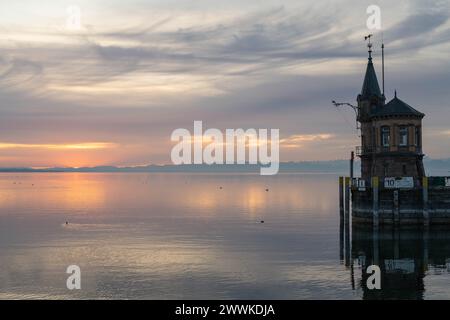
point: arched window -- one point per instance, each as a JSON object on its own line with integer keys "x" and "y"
{"x": 417, "y": 136}
{"x": 403, "y": 136}
{"x": 385, "y": 136}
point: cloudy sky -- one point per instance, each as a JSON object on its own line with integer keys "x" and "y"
{"x": 111, "y": 91}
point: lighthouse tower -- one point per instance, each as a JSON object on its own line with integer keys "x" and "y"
{"x": 391, "y": 133}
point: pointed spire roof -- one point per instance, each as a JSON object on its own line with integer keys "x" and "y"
{"x": 370, "y": 85}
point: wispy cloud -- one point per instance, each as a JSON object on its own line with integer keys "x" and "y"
{"x": 299, "y": 140}
{"x": 137, "y": 70}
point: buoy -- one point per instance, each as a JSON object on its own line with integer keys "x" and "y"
{"x": 262, "y": 221}
{"x": 267, "y": 190}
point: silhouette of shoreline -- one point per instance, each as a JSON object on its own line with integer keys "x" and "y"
{"x": 434, "y": 166}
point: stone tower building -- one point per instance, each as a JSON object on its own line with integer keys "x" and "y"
{"x": 391, "y": 133}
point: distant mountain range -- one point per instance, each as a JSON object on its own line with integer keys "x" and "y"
{"x": 433, "y": 167}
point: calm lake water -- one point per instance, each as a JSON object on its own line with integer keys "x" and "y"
{"x": 200, "y": 236}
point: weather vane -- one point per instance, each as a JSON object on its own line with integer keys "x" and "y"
{"x": 369, "y": 45}
{"x": 368, "y": 37}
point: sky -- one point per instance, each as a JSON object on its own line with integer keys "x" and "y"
{"x": 111, "y": 89}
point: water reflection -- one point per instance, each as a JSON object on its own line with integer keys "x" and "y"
{"x": 199, "y": 236}
{"x": 407, "y": 256}
{"x": 162, "y": 236}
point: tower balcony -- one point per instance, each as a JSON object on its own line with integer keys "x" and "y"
{"x": 370, "y": 150}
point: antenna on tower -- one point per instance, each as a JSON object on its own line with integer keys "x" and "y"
{"x": 382, "y": 60}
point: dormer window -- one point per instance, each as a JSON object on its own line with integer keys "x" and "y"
{"x": 385, "y": 136}
{"x": 403, "y": 136}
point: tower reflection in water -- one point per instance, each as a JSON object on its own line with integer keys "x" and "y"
{"x": 406, "y": 255}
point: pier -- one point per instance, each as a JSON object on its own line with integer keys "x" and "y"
{"x": 396, "y": 200}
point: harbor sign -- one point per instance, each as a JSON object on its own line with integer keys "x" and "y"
{"x": 399, "y": 183}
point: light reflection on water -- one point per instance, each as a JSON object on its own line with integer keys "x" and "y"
{"x": 175, "y": 236}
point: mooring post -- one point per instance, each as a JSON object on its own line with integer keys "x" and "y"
{"x": 347, "y": 260}
{"x": 426, "y": 237}
{"x": 426, "y": 215}
{"x": 376, "y": 246}
{"x": 396, "y": 207}
{"x": 347, "y": 221}
{"x": 348, "y": 251}
{"x": 341, "y": 196}
{"x": 347, "y": 196}
{"x": 341, "y": 220}
{"x": 352, "y": 160}
{"x": 341, "y": 237}
{"x": 375, "y": 191}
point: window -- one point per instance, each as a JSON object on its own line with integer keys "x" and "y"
{"x": 417, "y": 136}
{"x": 403, "y": 136}
{"x": 385, "y": 136}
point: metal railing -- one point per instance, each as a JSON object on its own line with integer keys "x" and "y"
{"x": 368, "y": 150}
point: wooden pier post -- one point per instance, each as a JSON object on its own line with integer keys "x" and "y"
{"x": 347, "y": 195}
{"x": 347, "y": 259}
{"x": 396, "y": 207}
{"x": 348, "y": 250}
{"x": 341, "y": 238}
{"x": 426, "y": 237}
{"x": 426, "y": 215}
{"x": 352, "y": 161}
{"x": 341, "y": 196}
{"x": 375, "y": 192}
{"x": 347, "y": 221}
{"x": 376, "y": 246}
{"x": 341, "y": 220}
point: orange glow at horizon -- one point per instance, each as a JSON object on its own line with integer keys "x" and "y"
{"x": 43, "y": 155}
{"x": 82, "y": 146}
